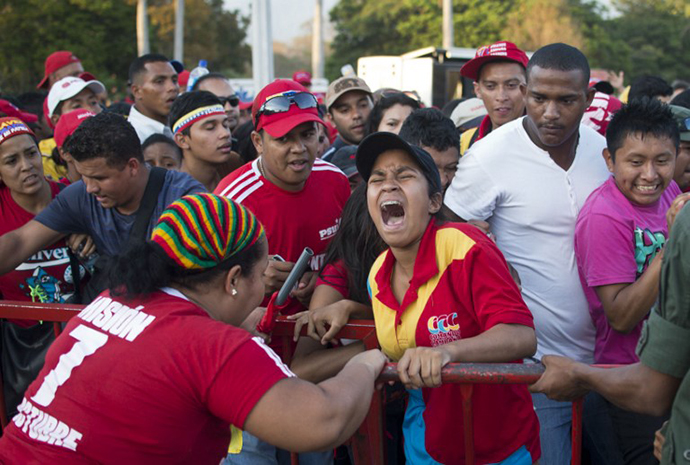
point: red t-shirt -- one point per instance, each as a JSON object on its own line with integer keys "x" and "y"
{"x": 293, "y": 220}
{"x": 148, "y": 381}
{"x": 461, "y": 287}
{"x": 335, "y": 275}
{"x": 46, "y": 276}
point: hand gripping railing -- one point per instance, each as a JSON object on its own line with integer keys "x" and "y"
{"x": 368, "y": 441}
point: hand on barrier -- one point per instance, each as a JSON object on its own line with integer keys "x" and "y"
{"x": 559, "y": 381}
{"x": 323, "y": 323}
{"x": 372, "y": 359}
{"x": 421, "y": 367}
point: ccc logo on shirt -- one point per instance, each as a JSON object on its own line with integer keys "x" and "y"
{"x": 443, "y": 324}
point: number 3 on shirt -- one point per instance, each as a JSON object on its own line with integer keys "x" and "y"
{"x": 88, "y": 341}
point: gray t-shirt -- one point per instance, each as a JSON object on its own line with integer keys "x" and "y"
{"x": 76, "y": 211}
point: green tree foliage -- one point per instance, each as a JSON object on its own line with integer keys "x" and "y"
{"x": 657, "y": 34}
{"x": 647, "y": 36}
{"x": 211, "y": 33}
{"x": 100, "y": 32}
{"x": 392, "y": 27}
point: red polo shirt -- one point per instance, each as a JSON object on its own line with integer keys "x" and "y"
{"x": 460, "y": 288}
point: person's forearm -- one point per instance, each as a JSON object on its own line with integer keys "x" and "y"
{"x": 634, "y": 301}
{"x": 359, "y": 311}
{"x": 349, "y": 394}
{"x": 502, "y": 343}
{"x": 633, "y": 387}
{"x": 9, "y": 258}
{"x": 322, "y": 364}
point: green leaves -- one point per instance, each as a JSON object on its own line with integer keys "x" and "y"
{"x": 102, "y": 33}
{"x": 647, "y": 36}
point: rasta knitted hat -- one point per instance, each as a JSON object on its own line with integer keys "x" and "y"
{"x": 200, "y": 231}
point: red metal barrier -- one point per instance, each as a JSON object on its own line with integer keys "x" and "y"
{"x": 368, "y": 442}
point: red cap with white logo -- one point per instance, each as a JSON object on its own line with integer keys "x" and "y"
{"x": 499, "y": 51}
{"x": 68, "y": 123}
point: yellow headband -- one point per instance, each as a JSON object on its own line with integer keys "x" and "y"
{"x": 196, "y": 115}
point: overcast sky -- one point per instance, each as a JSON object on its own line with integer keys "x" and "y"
{"x": 288, "y": 16}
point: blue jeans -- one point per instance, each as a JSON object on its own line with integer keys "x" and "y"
{"x": 257, "y": 452}
{"x": 599, "y": 436}
{"x": 555, "y": 419}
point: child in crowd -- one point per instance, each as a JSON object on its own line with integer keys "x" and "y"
{"x": 619, "y": 239}
{"x": 160, "y": 150}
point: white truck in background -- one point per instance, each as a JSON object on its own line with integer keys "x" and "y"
{"x": 433, "y": 73}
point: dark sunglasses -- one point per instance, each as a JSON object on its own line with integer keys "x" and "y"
{"x": 233, "y": 100}
{"x": 281, "y": 103}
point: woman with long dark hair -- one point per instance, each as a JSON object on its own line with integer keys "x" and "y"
{"x": 442, "y": 293}
{"x": 157, "y": 370}
{"x": 340, "y": 293}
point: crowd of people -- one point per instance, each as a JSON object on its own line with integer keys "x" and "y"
{"x": 542, "y": 220}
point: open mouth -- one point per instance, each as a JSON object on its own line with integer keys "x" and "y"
{"x": 298, "y": 165}
{"x": 392, "y": 213}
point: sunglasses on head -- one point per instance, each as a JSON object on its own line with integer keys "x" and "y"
{"x": 281, "y": 103}
{"x": 233, "y": 100}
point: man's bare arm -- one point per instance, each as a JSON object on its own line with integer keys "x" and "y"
{"x": 18, "y": 245}
{"x": 636, "y": 387}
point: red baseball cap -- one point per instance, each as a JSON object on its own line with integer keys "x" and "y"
{"x": 303, "y": 77}
{"x": 279, "y": 124}
{"x": 68, "y": 123}
{"x": 183, "y": 79}
{"x": 10, "y": 110}
{"x": 497, "y": 51}
{"x": 55, "y": 61}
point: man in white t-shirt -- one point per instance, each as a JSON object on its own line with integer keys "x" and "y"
{"x": 529, "y": 179}
{"x": 153, "y": 82}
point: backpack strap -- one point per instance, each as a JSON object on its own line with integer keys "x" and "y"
{"x": 148, "y": 203}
